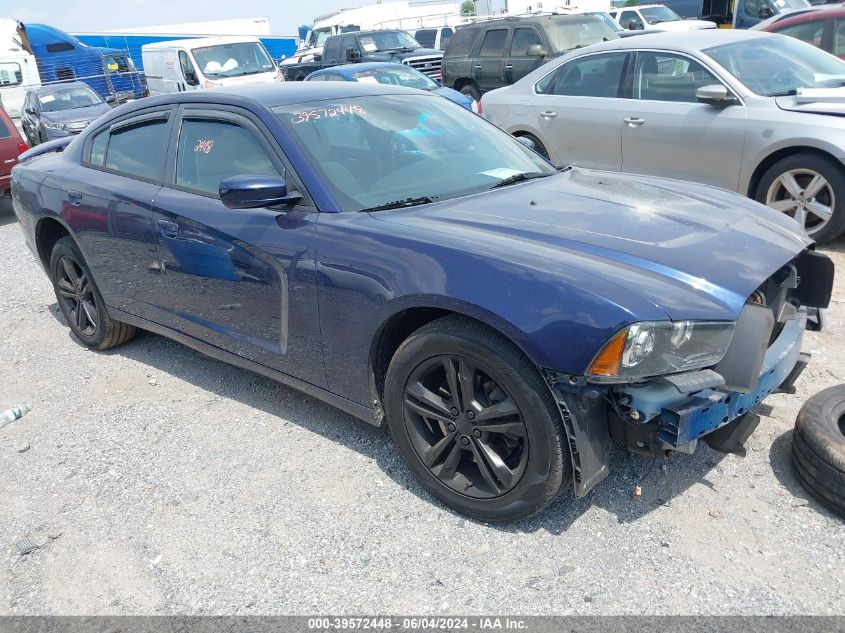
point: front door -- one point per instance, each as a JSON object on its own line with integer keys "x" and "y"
{"x": 240, "y": 279}
{"x": 579, "y": 112}
{"x": 666, "y": 132}
{"x": 519, "y": 63}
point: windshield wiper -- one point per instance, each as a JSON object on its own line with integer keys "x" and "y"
{"x": 512, "y": 180}
{"x": 401, "y": 204}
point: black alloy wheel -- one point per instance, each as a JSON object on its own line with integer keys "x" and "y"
{"x": 465, "y": 427}
{"x": 77, "y": 297}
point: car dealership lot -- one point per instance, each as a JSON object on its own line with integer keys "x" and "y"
{"x": 157, "y": 480}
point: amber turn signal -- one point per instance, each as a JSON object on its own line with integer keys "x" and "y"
{"x": 609, "y": 359}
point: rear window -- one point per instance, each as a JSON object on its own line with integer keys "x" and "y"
{"x": 132, "y": 150}
{"x": 5, "y": 132}
{"x": 574, "y": 32}
{"x": 426, "y": 37}
{"x": 461, "y": 43}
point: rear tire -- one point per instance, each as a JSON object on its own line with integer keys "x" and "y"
{"x": 80, "y": 300}
{"x": 818, "y": 447}
{"x": 471, "y": 90}
{"x": 810, "y": 189}
{"x": 475, "y": 422}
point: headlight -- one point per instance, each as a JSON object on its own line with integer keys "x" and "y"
{"x": 656, "y": 348}
{"x": 53, "y": 126}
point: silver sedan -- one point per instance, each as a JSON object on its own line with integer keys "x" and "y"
{"x": 757, "y": 113}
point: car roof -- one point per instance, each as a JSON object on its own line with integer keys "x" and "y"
{"x": 820, "y": 13}
{"x": 199, "y": 42}
{"x": 272, "y": 95}
{"x": 540, "y": 17}
{"x": 683, "y": 41}
{"x": 59, "y": 86}
{"x": 350, "y": 69}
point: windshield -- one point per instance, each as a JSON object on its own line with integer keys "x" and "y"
{"x": 399, "y": 76}
{"x": 656, "y": 15}
{"x": 779, "y": 65}
{"x": 118, "y": 63}
{"x": 576, "y": 32}
{"x": 68, "y": 98}
{"x": 605, "y": 17}
{"x": 388, "y": 41}
{"x": 372, "y": 151}
{"x": 321, "y": 36}
{"x": 233, "y": 60}
{"x": 785, "y": 5}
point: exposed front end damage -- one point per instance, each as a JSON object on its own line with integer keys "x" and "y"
{"x": 667, "y": 414}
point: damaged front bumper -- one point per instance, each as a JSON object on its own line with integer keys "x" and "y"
{"x": 671, "y": 414}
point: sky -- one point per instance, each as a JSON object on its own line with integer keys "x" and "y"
{"x": 99, "y": 15}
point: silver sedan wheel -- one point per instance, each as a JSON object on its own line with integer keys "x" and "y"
{"x": 805, "y": 195}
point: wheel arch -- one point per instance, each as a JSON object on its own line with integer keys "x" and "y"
{"x": 784, "y": 152}
{"x": 407, "y": 318}
{"x": 49, "y": 230}
{"x": 460, "y": 82}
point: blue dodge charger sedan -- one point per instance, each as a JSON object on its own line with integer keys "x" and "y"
{"x": 408, "y": 262}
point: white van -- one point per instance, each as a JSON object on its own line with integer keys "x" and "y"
{"x": 18, "y": 73}
{"x": 205, "y": 63}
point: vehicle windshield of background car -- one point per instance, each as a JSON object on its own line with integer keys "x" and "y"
{"x": 69, "y": 98}
{"x": 605, "y": 17}
{"x": 656, "y": 15}
{"x": 388, "y": 41}
{"x": 233, "y": 60}
{"x": 373, "y": 151}
{"x": 779, "y": 66}
{"x": 397, "y": 77}
{"x": 786, "y": 5}
{"x": 576, "y": 32}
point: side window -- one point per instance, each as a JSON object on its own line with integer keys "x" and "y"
{"x": 97, "y": 155}
{"x": 523, "y": 38}
{"x": 426, "y": 37}
{"x": 591, "y": 76}
{"x": 839, "y": 38}
{"x": 10, "y": 74}
{"x": 211, "y": 150}
{"x": 810, "y": 32}
{"x": 332, "y": 50}
{"x": 666, "y": 77}
{"x": 445, "y": 35}
{"x": 347, "y": 42}
{"x": 187, "y": 67}
{"x": 753, "y": 7}
{"x": 461, "y": 43}
{"x": 493, "y": 44}
{"x": 5, "y": 132}
{"x": 133, "y": 150}
{"x": 629, "y": 19}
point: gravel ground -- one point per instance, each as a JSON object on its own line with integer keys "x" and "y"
{"x": 158, "y": 481}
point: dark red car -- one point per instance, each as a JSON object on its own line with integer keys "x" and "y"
{"x": 11, "y": 146}
{"x": 824, "y": 28}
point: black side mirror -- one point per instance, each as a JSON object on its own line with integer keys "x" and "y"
{"x": 634, "y": 25}
{"x": 253, "y": 192}
{"x": 191, "y": 78}
{"x": 535, "y": 50}
{"x": 111, "y": 99}
{"x": 716, "y": 95}
{"x": 352, "y": 54}
{"x": 529, "y": 143}
{"x": 30, "y": 111}
{"x": 765, "y": 11}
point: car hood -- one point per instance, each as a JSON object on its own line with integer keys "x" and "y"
{"x": 819, "y": 101}
{"x": 695, "y": 252}
{"x": 88, "y": 113}
{"x": 392, "y": 56}
{"x": 682, "y": 25}
{"x": 455, "y": 96}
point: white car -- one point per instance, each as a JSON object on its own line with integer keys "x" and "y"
{"x": 656, "y": 17}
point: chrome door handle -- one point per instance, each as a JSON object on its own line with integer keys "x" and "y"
{"x": 548, "y": 114}
{"x": 633, "y": 121}
{"x": 509, "y": 66}
{"x": 477, "y": 66}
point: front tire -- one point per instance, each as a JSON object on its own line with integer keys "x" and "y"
{"x": 811, "y": 190}
{"x": 80, "y": 300}
{"x": 471, "y": 90}
{"x": 475, "y": 422}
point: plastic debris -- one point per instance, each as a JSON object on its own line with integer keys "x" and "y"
{"x": 15, "y": 413}
{"x": 25, "y": 546}
{"x": 638, "y": 491}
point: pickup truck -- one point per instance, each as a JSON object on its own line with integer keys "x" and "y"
{"x": 370, "y": 46}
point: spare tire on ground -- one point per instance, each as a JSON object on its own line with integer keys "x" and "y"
{"x": 818, "y": 447}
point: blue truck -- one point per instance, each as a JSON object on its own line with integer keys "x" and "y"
{"x": 61, "y": 57}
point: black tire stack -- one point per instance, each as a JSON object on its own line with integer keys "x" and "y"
{"x": 818, "y": 447}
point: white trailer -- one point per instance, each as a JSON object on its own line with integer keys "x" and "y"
{"x": 18, "y": 70}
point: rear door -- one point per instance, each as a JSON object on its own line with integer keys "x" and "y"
{"x": 666, "y": 132}
{"x": 579, "y": 110}
{"x": 109, "y": 207}
{"x": 9, "y": 149}
{"x": 489, "y": 67}
{"x": 519, "y": 63}
{"x": 240, "y": 279}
